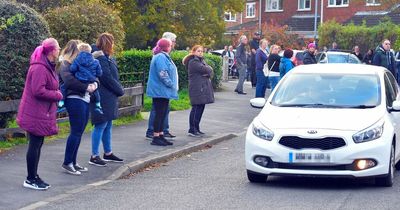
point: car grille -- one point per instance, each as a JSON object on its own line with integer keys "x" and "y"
{"x": 304, "y": 143}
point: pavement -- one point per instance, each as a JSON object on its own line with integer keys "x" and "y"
{"x": 225, "y": 119}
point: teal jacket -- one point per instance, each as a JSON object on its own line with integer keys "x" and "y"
{"x": 163, "y": 77}
{"x": 384, "y": 59}
{"x": 285, "y": 66}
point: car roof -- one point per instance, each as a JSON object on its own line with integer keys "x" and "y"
{"x": 337, "y": 53}
{"x": 339, "y": 68}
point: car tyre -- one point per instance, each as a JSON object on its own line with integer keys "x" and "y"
{"x": 387, "y": 180}
{"x": 256, "y": 177}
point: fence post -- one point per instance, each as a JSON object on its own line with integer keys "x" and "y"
{"x": 225, "y": 67}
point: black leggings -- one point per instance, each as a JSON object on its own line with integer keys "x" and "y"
{"x": 33, "y": 154}
{"x": 161, "y": 108}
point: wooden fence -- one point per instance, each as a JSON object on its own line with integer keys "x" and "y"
{"x": 129, "y": 104}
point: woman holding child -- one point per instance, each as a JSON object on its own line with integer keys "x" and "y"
{"x": 77, "y": 99}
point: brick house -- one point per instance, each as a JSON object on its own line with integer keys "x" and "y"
{"x": 299, "y": 14}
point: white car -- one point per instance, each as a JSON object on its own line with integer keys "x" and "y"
{"x": 329, "y": 120}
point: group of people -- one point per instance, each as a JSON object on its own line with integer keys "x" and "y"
{"x": 261, "y": 57}
{"x": 86, "y": 74}
{"x": 84, "y": 70}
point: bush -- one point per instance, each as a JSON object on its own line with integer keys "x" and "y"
{"x": 134, "y": 66}
{"x": 85, "y": 20}
{"x": 21, "y": 30}
{"x": 347, "y": 36}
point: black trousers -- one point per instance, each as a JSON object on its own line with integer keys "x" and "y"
{"x": 33, "y": 154}
{"x": 161, "y": 107}
{"x": 195, "y": 117}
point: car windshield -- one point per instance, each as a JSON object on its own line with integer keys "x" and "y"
{"x": 328, "y": 91}
{"x": 337, "y": 58}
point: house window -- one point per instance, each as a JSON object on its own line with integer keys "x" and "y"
{"x": 251, "y": 10}
{"x": 229, "y": 17}
{"x": 304, "y": 4}
{"x": 338, "y": 3}
{"x": 373, "y": 2}
{"x": 274, "y": 5}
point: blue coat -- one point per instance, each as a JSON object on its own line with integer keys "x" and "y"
{"x": 110, "y": 89}
{"x": 285, "y": 66}
{"x": 85, "y": 68}
{"x": 163, "y": 77}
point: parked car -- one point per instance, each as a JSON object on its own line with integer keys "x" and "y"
{"x": 297, "y": 57}
{"x": 330, "y": 120}
{"x": 337, "y": 57}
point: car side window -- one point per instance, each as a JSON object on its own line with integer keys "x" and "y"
{"x": 353, "y": 59}
{"x": 390, "y": 92}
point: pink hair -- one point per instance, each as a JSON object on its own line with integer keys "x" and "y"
{"x": 162, "y": 45}
{"x": 44, "y": 49}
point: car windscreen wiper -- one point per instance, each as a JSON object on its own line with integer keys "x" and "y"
{"x": 318, "y": 105}
{"x": 363, "y": 106}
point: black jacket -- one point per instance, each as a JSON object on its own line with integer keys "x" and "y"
{"x": 200, "y": 87}
{"x": 110, "y": 89}
{"x": 309, "y": 58}
{"x": 273, "y": 62}
{"x": 241, "y": 56}
{"x": 71, "y": 84}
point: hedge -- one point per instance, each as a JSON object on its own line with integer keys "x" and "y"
{"x": 134, "y": 67}
{"x": 22, "y": 29}
{"x": 366, "y": 37}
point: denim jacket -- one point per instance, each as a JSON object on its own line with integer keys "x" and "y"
{"x": 163, "y": 77}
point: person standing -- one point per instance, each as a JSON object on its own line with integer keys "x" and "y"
{"x": 334, "y": 47}
{"x": 273, "y": 65}
{"x": 231, "y": 60}
{"x": 162, "y": 85}
{"x": 254, "y": 45}
{"x": 241, "y": 60}
{"x": 167, "y": 134}
{"x": 225, "y": 51}
{"x": 38, "y": 107}
{"x": 110, "y": 89}
{"x": 286, "y": 63}
{"x": 385, "y": 58}
{"x": 200, "y": 88}
{"x": 261, "y": 59}
{"x": 77, "y": 100}
{"x": 357, "y": 53}
{"x": 309, "y": 54}
{"x": 368, "y": 57}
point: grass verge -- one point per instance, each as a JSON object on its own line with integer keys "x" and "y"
{"x": 64, "y": 130}
{"x": 182, "y": 103}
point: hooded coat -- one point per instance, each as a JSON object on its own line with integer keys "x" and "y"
{"x": 86, "y": 68}
{"x": 110, "y": 89}
{"x": 200, "y": 86}
{"x": 38, "y": 109}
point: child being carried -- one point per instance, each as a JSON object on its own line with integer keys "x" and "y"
{"x": 86, "y": 69}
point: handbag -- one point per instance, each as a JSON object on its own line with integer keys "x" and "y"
{"x": 266, "y": 70}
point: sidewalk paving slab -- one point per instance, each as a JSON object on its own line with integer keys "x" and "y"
{"x": 224, "y": 119}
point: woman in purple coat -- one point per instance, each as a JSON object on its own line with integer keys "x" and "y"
{"x": 37, "y": 110}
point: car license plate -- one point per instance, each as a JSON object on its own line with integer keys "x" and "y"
{"x": 300, "y": 157}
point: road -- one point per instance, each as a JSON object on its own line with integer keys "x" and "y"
{"x": 215, "y": 179}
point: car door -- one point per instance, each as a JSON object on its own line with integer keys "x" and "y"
{"x": 392, "y": 94}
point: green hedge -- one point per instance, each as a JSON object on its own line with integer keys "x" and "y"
{"x": 134, "y": 66}
{"x": 366, "y": 37}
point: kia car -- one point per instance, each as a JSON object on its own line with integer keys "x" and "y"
{"x": 327, "y": 120}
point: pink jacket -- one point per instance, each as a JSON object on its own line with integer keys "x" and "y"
{"x": 37, "y": 110}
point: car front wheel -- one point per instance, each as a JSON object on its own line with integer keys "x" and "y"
{"x": 387, "y": 180}
{"x": 256, "y": 177}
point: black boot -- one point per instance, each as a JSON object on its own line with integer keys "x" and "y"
{"x": 158, "y": 141}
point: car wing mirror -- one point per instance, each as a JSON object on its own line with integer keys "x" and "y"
{"x": 396, "y": 106}
{"x": 258, "y": 102}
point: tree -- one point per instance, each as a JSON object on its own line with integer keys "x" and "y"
{"x": 43, "y": 5}
{"x": 22, "y": 29}
{"x": 85, "y": 20}
{"x": 194, "y": 21}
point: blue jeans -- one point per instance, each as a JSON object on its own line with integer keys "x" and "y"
{"x": 274, "y": 81}
{"x": 102, "y": 131}
{"x": 152, "y": 116}
{"x": 261, "y": 85}
{"x": 78, "y": 112}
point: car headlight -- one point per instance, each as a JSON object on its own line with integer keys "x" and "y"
{"x": 371, "y": 133}
{"x": 261, "y": 131}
